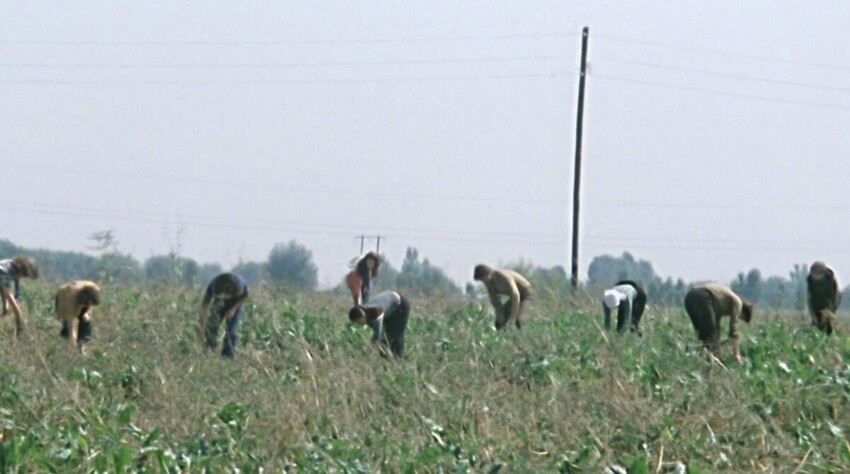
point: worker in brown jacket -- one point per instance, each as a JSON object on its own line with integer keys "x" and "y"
{"x": 823, "y": 296}
{"x": 706, "y": 304}
{"x": 505, "y": 283}
{"x": 74, "y": 302}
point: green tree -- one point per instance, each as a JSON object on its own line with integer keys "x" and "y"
{"x": 605, "y": 270}
{"x": 797, "y": 287}
{"x": 292, "y": 263}
{"x": 748, "y": 286}
{"x": 208, "y": 271}
{"x": 112, "y": 265}
{"x": 171, "y": 268}
{"x": 422, "y": 278}
{"x": 254, "y": 272}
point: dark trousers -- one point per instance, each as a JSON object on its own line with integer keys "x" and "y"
{"x": 213, "y": 322}
{"x": 700, "y": 307}
{"x": 625, "y": 318}
{"x": 83, "y": 329}
{"x": 395, "y": 323}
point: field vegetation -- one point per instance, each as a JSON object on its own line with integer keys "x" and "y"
{"x": 308, "y": 393}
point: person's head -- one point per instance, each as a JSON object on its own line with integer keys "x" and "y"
{"x": 369, "y": 264}
{"x": 25, "y": 267}
{"x": 747, "y": 311}
{"x": 88, "y": 296}
{"x": 818, "y": 270}
{"x": 482, "y": 273}
{"x": 611, "y": 299}
{"x": 226, "y": 285}
{"x": 357, "y": 315}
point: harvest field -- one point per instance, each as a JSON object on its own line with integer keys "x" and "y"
{"x": 307, "y": 393}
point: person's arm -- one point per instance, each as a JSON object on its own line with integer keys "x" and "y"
{"x": 733, "y": 331}
{"x": 366, "y": 288}
{"x": 607, "y": 317}
{"x": 205, "y": 307}
{"x": 228, "y": 315}
{"x": 16, "y": 310}
{"x": 513, "y": 292}
{"x": 377, "y": 326}
{"x": 837, "y": 292}
{"x": 494, "y": 299}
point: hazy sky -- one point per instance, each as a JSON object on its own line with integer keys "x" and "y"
{"x": 716, "y": 133}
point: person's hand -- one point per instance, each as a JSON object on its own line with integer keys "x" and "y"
{"x": 738, "y": 358}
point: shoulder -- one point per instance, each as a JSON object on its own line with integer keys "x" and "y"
{"x": 85, "y": 284}
{"x": 719, "y": 290}
{"x": 510, "y": 275}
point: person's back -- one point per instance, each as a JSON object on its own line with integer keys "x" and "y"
{"x": 706, "y": 304}
{"x": 628, "y": 290}
{"x": 822, "y": 288}
{"x": 620, "y": 298}
{"x": 386, "y": 314}
{"x": 505, "y": 282}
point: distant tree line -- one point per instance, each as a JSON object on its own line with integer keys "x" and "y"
{"x": 291, "y": 264}
{"x": 775, "y": 292}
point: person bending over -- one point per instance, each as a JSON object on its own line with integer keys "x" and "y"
{"x": 11, "y": 272}
{"x": 73, "y": 304}
{"x": 822, "y": 296}
{"x": 359, "y": 279}
{"x": 508, "y": 283}
{"x": 387, "y": 314}
{"x": 223, "y": 301}
{"x": 706, "y": 304}
{"x": 629, "y": 299}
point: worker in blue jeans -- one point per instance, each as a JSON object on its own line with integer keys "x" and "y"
{"x": 222, "y": 302}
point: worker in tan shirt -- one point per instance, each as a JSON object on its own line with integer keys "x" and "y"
{"x": 706, "y": 304}
{"x": 73, "y": 303}
{"x": 505, "y": 283}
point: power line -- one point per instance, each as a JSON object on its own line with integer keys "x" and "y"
{"x": 262, "y": 82}
{"x": 288, "y": 42}
{"x": 720, "y": 93}
{"x": 279, "y": 65}
{"x": 725, "y": 54}
{"x": 690, "y": 248}
{"x": 276, "y": 187}
{"x": 760, "y": 207}
{"x": 534, "y": 243}
{"x": 713, "y": 240}
{"x": 727, "y": 75}
{"x": 240, "y": 222}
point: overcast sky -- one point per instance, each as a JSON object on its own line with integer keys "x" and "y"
{"x": 716, "y": 133}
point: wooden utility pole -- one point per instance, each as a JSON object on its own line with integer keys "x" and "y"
{"x": 363, "y": 237}
{"x": 585, "y": 34}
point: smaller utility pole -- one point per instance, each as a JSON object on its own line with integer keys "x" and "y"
{"x": 363, "y": 237}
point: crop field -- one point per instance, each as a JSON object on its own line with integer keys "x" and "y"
{"x": 308, "y": 393}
